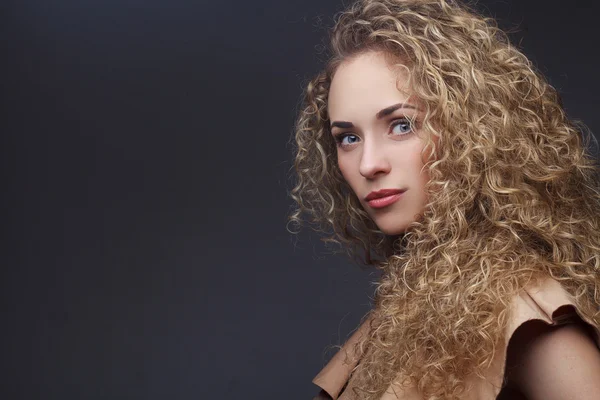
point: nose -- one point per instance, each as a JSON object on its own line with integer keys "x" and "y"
{"x": 374, "y": 161}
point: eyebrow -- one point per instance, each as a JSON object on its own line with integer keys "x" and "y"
{"x": 383, "y": 113}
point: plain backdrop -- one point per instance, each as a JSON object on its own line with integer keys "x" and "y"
{"x": 146, "y": 162}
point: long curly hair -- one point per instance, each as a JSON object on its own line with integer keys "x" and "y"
{"x": 513, "y": 195}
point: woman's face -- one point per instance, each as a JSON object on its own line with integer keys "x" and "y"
{"x": 378, "y": 143}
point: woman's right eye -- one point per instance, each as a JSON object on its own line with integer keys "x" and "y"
{"x": 346, "y": 139}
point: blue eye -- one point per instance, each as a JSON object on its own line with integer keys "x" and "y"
{"x": 346, "y": 139}
{"x": 402, "y": 126}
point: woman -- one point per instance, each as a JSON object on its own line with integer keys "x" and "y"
{"x": 431, "y": 149}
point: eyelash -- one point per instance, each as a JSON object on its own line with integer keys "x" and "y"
{"x": 340, "y": 137}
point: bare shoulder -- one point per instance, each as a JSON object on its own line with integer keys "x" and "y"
{"x": 554, "y": 362}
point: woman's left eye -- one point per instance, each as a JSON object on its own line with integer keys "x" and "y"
{"x": 402, "y": 126}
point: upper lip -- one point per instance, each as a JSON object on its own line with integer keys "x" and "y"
{"x": 383, "y": 193}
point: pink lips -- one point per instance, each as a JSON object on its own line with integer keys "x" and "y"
{"x": 384, "y": 197}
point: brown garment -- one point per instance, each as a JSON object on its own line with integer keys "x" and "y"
{"x": 548, "y": 303}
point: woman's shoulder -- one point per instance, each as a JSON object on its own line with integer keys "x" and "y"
{"x": 545, "y": 305}
{"x": 535, "y": 312}
{"x": 554, "y": 361}
{"x": 551, "y": 349}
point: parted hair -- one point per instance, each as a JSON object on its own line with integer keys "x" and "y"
{"x": 513, "y": 195}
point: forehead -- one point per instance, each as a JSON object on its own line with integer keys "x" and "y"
{"x": 365, "y": 84}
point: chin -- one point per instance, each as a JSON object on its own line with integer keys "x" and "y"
{"x": 392, "y": 229}
{"x": 394, "y": 232}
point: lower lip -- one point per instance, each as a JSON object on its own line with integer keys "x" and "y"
{"x": 384, "y": 201}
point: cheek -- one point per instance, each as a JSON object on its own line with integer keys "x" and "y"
{"x": 413, "y": 162}
{"x": 348, "y": 171}
{"x": 344, "y": 166}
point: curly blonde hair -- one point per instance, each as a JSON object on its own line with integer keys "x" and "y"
{"x": 513, "y": 195}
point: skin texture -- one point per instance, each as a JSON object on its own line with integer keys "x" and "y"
{"x": 554, "y": 363}
{"x": 379, "y": 153}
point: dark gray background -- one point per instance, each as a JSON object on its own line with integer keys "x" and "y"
{"x": 146, "y": 166}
